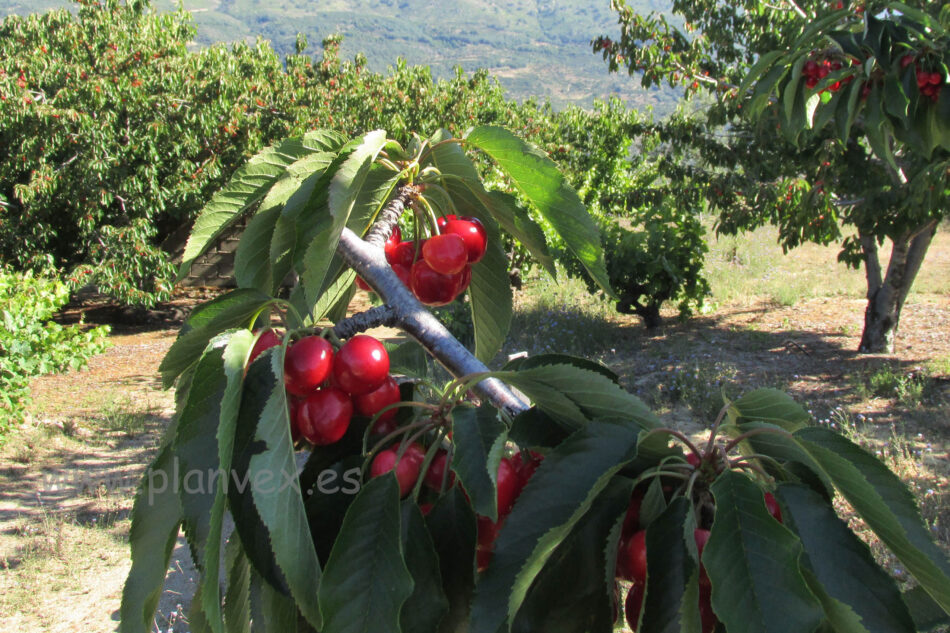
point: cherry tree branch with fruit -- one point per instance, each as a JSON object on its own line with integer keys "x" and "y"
{"x": 544, "y": 501}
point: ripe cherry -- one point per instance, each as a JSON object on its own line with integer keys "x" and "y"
{"x": 632, "y": 558}
{"x": 633, "y": 605}
{"x": 403, "y": 253}
{"x": 441, "y": 221}
{"x": 437, "y": 472}
{"x": 446, "y": 253}
{"x": 487, "y": 532}
{"x": 361, "y": 365}
{"x": 482, "y": 558}
{"x": 407, "y": 468}
{"x": 472, "y": 233}
{"x": 372, "y": 402}
{"x": 324, "y": 416}
{"x": 465, "y": 278}
{"x": 693, "y": 459}
{"x": 293, "y": 408}
{"x": 362, "y": 285}
{"x": 773, "y": 507}
{"x": 266, "y": 340}
{"x": 701, "y": 536}
{"x": 403, "y": 273}
{"x": 307, "y": 364}
{"x": 526, "y": 467}
{"x": 509, "y": 485}
{"x": 430, "y": 287}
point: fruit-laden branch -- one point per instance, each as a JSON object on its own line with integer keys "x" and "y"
{"x": 405, "y": 312}
{"x": 390, "y": 215}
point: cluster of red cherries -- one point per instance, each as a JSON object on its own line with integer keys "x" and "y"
{"x": 632, "y": 561}
{"x": 325, "y": 387}
{"x": 437, "y": 269}
{"x": 816, "y": 70}
{"x": 928, "y": 82}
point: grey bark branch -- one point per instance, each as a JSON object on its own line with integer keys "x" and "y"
{"x": 404, "y": 311}
{"x": 374, "y": 317}
{"x": 389, "y": 216}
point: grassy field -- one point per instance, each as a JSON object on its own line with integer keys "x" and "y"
{"x": 791, "y": 322}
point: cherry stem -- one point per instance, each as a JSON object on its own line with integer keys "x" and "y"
{"x": 759, "y": 431}
{"x": 715, "y": 427}
{"x": 755, "y": 468}
{"x": 747, "y": 459}
{"x": 678, "y": 435}
{"x": 387, "y": 439}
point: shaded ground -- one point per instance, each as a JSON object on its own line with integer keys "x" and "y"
{"x": 68, "y": 476}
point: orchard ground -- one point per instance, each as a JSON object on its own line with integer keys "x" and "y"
{"x": 67, "y": 476}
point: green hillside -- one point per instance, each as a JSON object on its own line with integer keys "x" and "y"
{"x": 534, "y": 47}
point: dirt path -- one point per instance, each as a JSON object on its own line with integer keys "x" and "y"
{"x": 68, "y": 476}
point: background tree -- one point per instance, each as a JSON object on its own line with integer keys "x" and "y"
{"x": 849, "y": 149}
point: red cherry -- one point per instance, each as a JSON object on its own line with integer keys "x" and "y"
{"x": 472, "y": 233}
{"x": 465, "y": 278}
{"x": 487, "y": 532}
{"x": 633, "y": 604}
{"x": 633, "y": 557}
{"x": 293, "y": 410}
{"x": 906, "y": 61}
{"x": 772, "y": 505}
{"x": 811, "y": 81}
{"x": 361, "y": 365}
{"x": 436, "y": 473}
{"x": 403, "y": 273}
{"x": 402, "y": 253}
{"x": 324, "y": 416}
{"x": 362, "y": 285}
{"x": 935, "y": 79}
{"x": 526, "y": 467}
{"x": 707, "y": 617}
{"x": 370, "y": 403}
{"x": 631, "y": 521}
{"x": 266, "y": 340}
{"x": 430, "y": 287}
{"x": 307, "y": 364}
{"x": 509, "y": 485}
{"x": 923, "y": 77}
{"x": 446, "y": 253}
{"x": 811, "y": 67}
{"x": 396, "y": 236}
{"x": 425, "y": 508}
{"x": 441, "y": 221}
{"x": 693, "y": 459}
{"x": 415, "y": 453}
{"x": 407, "y": 469}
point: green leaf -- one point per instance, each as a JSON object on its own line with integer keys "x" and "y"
{"x": 896, "y": 102}
{"x": 258, "y": 386}
{"x": 233, "y": 309}
{"x": 752, "y": 562}
{"x": 343, "y": 191}
{"x": 246, "y": 187}
{"x": 551, "y": 504}
{"x": 793, "y": 94}
{"x": 203, "y": 445}
{"x": 237, "y": 607}
{"x": 839, "y": 617}
{"x": 408, "y": 359}
{"x": 451, "y": 524}
{"x": 490, "y": 298}
{"x": 569, "y": 594}
{"x": 572, "y": 395}
{"x": 252, "y": 264}
{"x": 366, "y": 581}
{"x": 669, "y": 567}
{"x": 533, "y": 428}
{"x": 540, "y": 360}
{"x": 324, "y": 140}
{"x": 769, "y": 405}
{"x": 536, "y": 176}
{"x": 156, "y": 516}
{"x": 762, "y": 64}
{"x": 427, "y": 605}
{"x": 463, "y": 184}
{"x": 927, "y": 614}
{"x": 885, "y": 504}
{"x": 277, "y": 496}
{"x": 479, "y": 438}
{"x": 842, "y": 563}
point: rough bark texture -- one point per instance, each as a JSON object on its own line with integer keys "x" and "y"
{"x": 402, "y": 310}
{"x": 886, "y": 295}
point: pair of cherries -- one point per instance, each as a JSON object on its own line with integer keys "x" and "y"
{"x": 438, "y": 269}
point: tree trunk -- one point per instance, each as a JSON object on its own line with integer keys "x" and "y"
{"x": 886, "y": 296}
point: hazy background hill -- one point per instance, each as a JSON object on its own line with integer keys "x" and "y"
{"x": 534, "y": 47}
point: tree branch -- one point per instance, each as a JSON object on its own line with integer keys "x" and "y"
{"x": 374, "y": 317}
{"x": 404, "y": 311}
{"x": 389, "y": 216}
